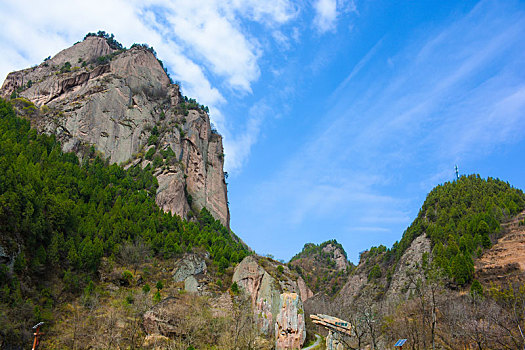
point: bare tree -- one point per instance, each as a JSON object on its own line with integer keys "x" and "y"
{"x": 132, "y": 336}
{"x": 134, "y": 254}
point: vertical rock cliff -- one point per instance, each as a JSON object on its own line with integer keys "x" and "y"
{"x": 122, "y": 103}
{"x": 276, "y": 299}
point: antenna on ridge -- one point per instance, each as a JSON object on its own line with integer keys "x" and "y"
{"x": 457, "y": 172}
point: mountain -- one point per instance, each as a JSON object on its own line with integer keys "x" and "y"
{"x": 114, "y": 231}
{"x": 457, "y": 268}
{"x": 114, "y": 216}
{"x": 323, "y": 267}
{"x": 122, "y": 102}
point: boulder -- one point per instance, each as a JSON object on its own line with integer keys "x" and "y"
{"x": 191, "y": 285}
{"x": 189, "y": 265}
{"x": 290, "y": 330}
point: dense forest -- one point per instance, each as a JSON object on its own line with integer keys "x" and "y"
{"x": 60, "y": 216}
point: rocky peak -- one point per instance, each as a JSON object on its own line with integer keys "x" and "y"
{"x": 122, "y": 103}
{"x": 324, "y": 267}
{"x": 338, "y": 255}
{"x": 88, "y": 50}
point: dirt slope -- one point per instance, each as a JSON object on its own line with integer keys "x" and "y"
{"x": 506, "y": 259}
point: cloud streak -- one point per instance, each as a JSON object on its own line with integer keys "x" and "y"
{"x": 453, "y": 94}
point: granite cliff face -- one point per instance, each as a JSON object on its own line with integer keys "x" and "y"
{"x": 290, "y": 331}
{"x": 276, "y": 299}
{"x": 361, "y": 285}
{"x": 122, "y": 103}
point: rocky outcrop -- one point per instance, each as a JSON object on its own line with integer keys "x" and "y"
{"x": 261, "y": 288}
{"x": 121, "y": 101}
{"x": 324, "y": 267}
{"x": 189, "y": 266}
{"x": 341, "y": 262}
{"x": 191, "y": 284}
{"x": 165, "y": 318}
{"x": 409, "y": 262}
{"x": 290, "y": 331}
{"x": 359, "y": 286}
{"x": 304, "y": 291}
{"x": 334, "y": 341}
{"x": 266, "y": 286}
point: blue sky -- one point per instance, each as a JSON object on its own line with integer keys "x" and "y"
{"x": 338, "y": 116}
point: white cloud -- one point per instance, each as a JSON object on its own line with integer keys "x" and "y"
{"x": 238, "y": 147}
{"x": 213, "y": 38}
{"x": 328, "y": 11}
{"x": 200, "y": 41}
{"x": 326, "y": 15}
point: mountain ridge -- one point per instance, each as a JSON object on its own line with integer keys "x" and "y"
{"x": 123, "y": 103}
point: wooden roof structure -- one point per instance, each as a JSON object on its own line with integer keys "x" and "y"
{"x": 332, "y": 323}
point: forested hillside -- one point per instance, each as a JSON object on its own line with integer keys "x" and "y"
{"x": 423, "y": 288}
{"x": 324, "y": 267}
{"x": 60, "y": 216}
{"x": 462, "y": 218}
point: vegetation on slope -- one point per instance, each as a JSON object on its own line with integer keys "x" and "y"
{"x": 461, "y": 218}
{"x": 60, "y": 217}
{"x": 316, "y": 264}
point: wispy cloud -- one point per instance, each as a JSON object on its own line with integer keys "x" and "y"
{"x": 240, "y": 145}
{"x": 453, "y": 93}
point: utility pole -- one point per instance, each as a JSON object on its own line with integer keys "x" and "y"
{"x": 457, "y": 172}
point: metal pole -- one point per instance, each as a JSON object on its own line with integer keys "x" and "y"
{"x": 37, "y": 335}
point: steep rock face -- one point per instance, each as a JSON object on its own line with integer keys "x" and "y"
{"x": 410, "y": 261}
{"x": 290, "y": 331}
{"x": 119, "y": 101}
{"x": 304, "y": 291}
{"x": 359, "y": 286}
{"x": 264, "y": 289}
{"x": 352, "y": 288}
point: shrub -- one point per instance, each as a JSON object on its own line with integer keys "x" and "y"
{"x": 235, "y": 288}
{"x": 126, "y": 278}
{"x": 65, "y": 68}
{"x": 374, "y": 273}
{"x": 150, "y": 153}
{"x": 476, "y": 289}
{"x": 159, "y": 285}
